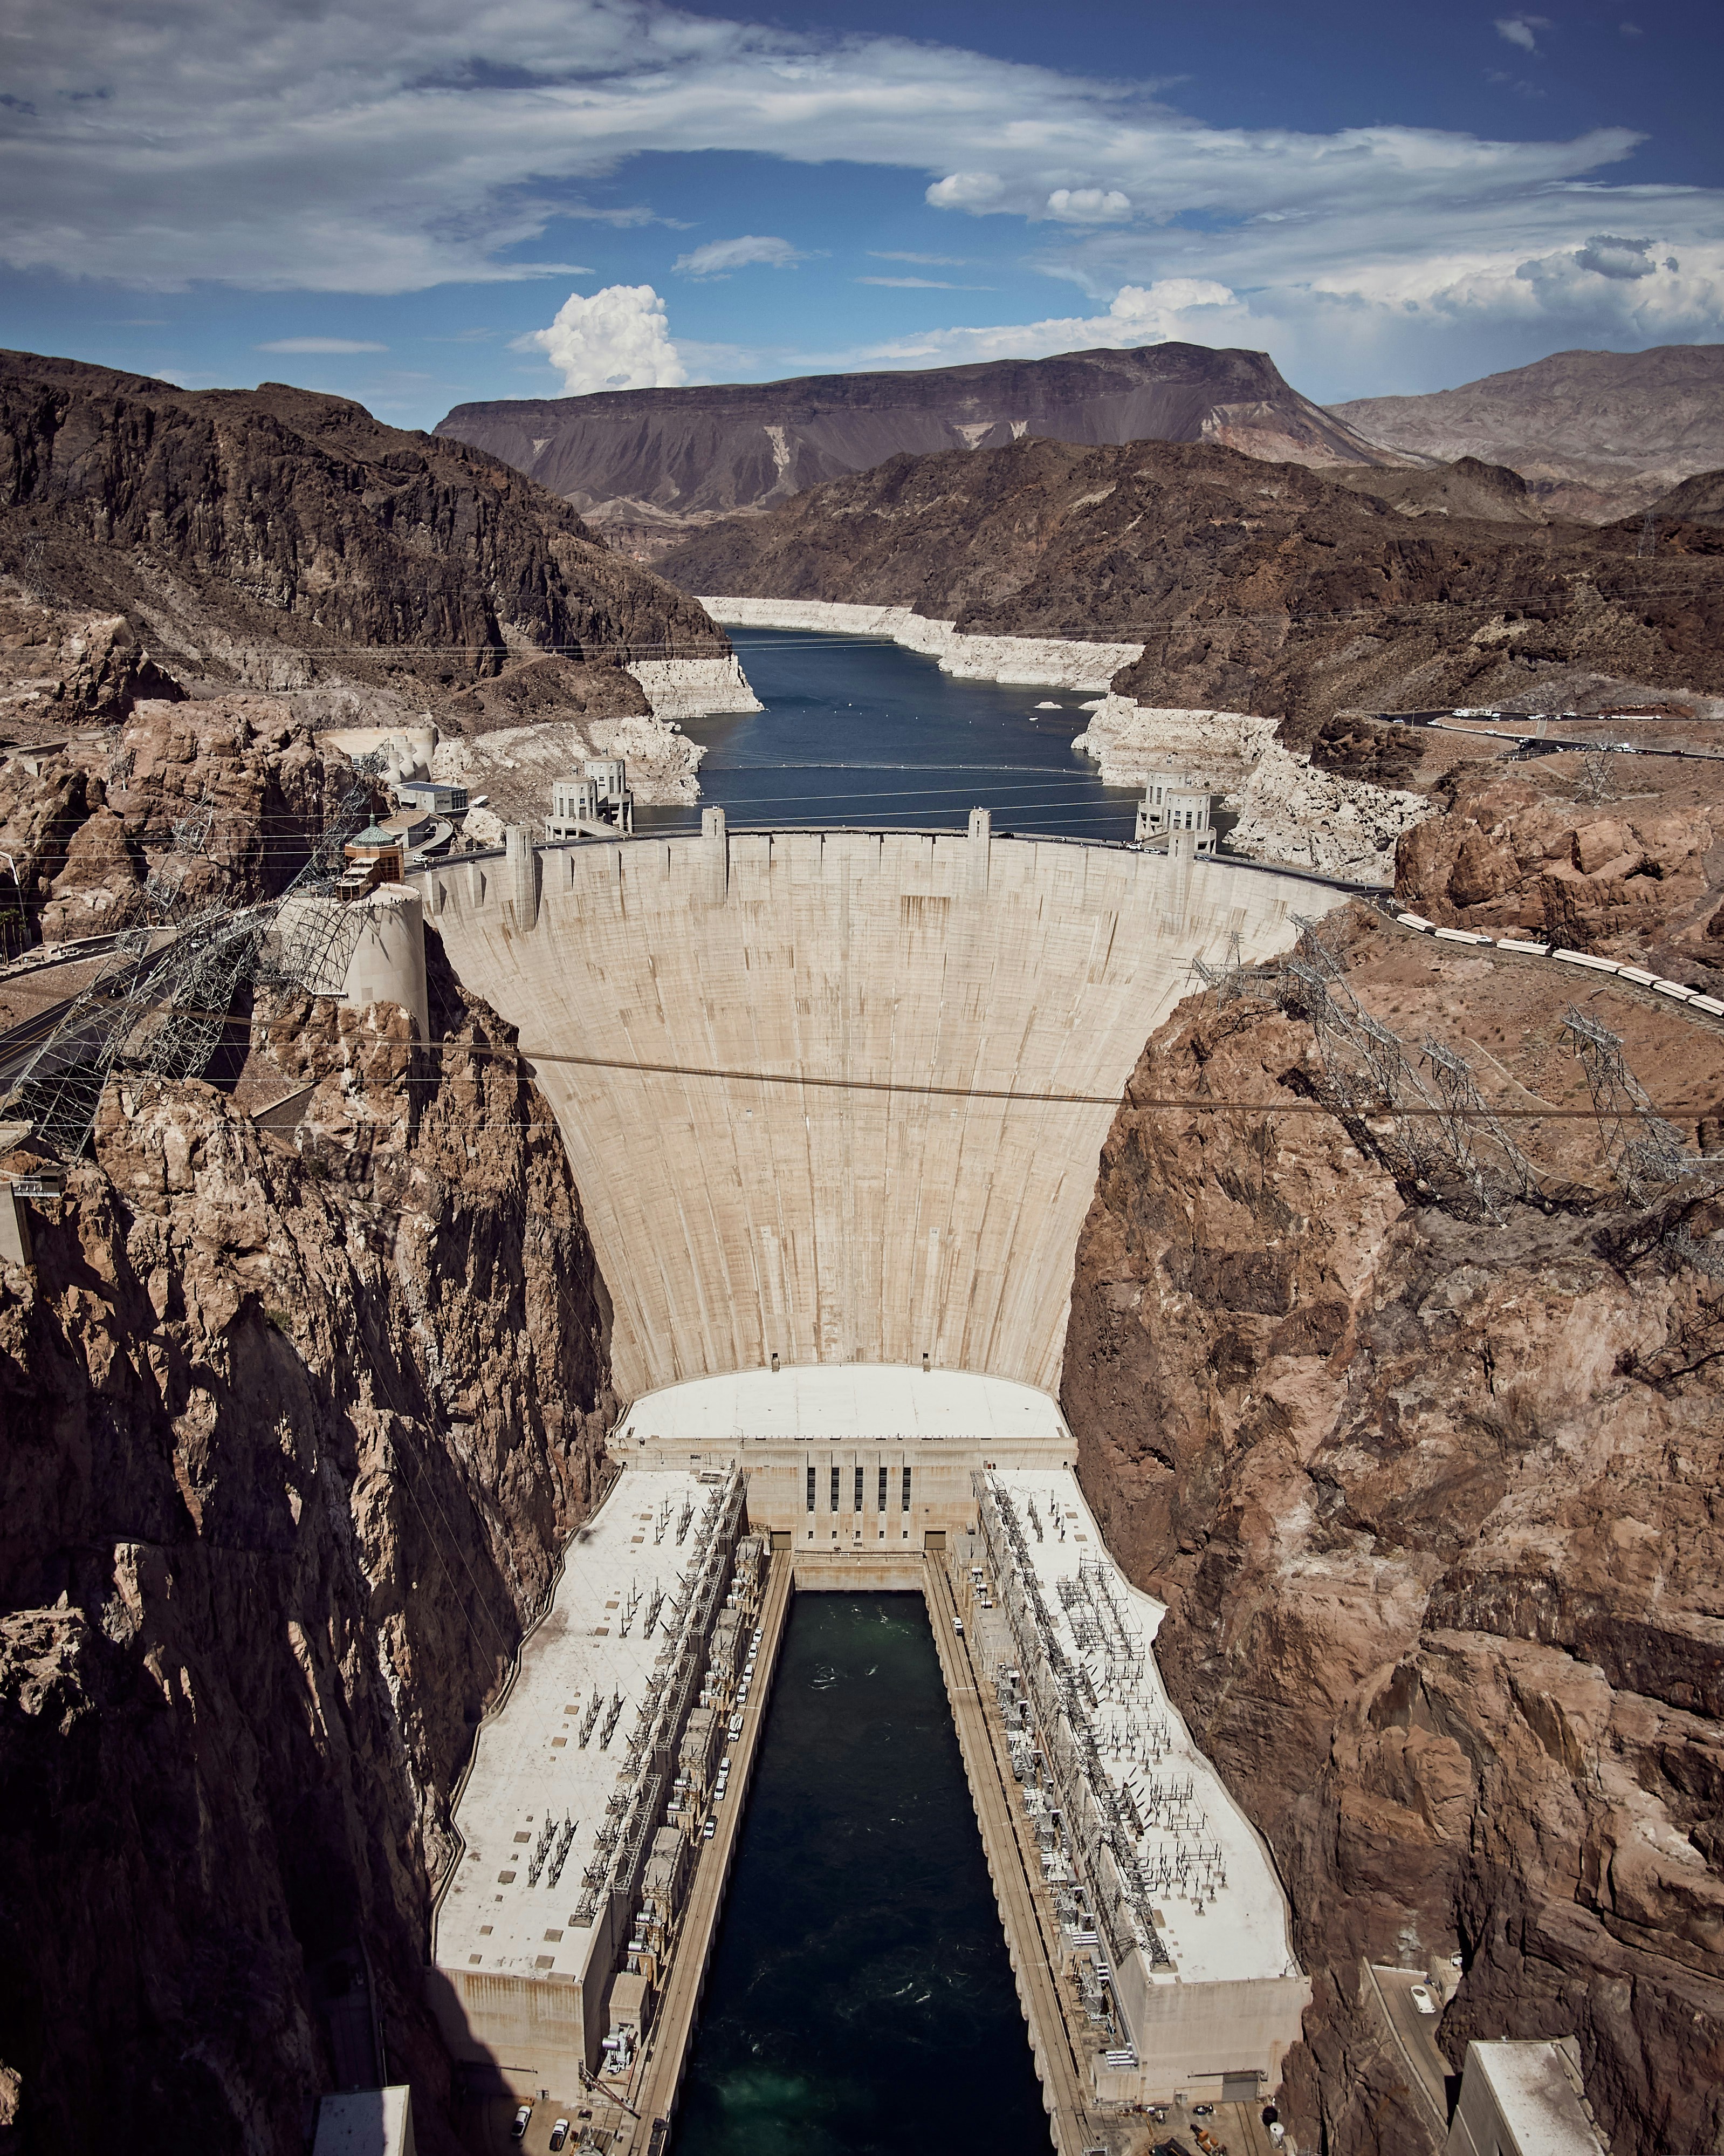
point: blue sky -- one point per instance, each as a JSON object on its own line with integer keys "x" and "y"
{"x": 420, "y": 201}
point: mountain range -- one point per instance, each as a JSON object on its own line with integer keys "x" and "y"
{"x": 1595, "y": 435}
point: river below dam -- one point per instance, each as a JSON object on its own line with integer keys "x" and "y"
{"x": 856, "y": 730}
{"x": 860, "y": 2002}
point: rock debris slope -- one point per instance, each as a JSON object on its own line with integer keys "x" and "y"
{"x": 1433, "y": 1502}
{"x": 294, "y": 1431}
{"x": 278, "y": 540}
{"x": 647, "y": 462}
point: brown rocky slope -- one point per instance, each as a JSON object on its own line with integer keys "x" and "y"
{"x": 279, "y": 540}
{"x": 1597, "y": 435}
{"x": 647, "y": 462}
{"x": 295, "y": 1432}
{"x": 1253, "y": 587}
{"x": 1433, "y": 1504}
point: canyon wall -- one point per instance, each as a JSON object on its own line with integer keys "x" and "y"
{"x": 1250, "y": 587}
{"x": 277, "y": 540}
{"x": 1433, "y": 1501}
{"x": 296, "y": 1426}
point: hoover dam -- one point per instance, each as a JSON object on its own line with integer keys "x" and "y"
{"x": 839, "y": 1097}
{"x": 833, "y": 1101}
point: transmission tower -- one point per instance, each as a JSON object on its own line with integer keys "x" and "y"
{"x": 161, "y": 1011}
{"x": 1645, "y": 1151}
{"x": 1433, "y": 1124}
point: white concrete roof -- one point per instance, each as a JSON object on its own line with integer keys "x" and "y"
{"x": 1539, "y": 2102}
{"x": 375, "y": 2122}
{"x": 529, "y": 1759}
{"x": 1242, "y": 1932}
{"x": 841, "y": 1400}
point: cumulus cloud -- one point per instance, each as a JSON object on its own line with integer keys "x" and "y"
{"x": 719, "y": 257}
{"x": 1197, "y": 309}
{"x": 1088, "y": 205}
{"x": 1521, "y": 30}
{"x": 319, "y": 344}
{"x": 1608, "y": 255}
{"x": 409, "y": 143}
{"x": 619, "y": 338}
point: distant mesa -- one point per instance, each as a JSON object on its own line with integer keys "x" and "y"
{"x": 644, "y": 466}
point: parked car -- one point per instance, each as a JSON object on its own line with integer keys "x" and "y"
{"x": 518, "y": 2131}
{"x": 1420, "y": 1994}
{"x": 958, "y": 1626}
{"x": 709, "y": 1829}
{"x": 559, "y": 2133}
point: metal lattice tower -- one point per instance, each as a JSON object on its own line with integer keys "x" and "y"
{"x": 162, "y": 1011}
{"x": 1432, "y": 1124}
{"x": 1645, "y": 1151}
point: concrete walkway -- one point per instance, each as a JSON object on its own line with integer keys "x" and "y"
{"x": 1034, "y": 1959}
{"x": 654, "y": 2088}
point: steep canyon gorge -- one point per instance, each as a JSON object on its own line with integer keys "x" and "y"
{"x": 307, "y": 1386}
{"x": 1433, "y": 1498}
{"x": 296, "y": 1432}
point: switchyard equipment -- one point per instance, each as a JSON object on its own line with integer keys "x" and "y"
{"x": 548, "y": 1967}
{"x": 1171, "y": 1920}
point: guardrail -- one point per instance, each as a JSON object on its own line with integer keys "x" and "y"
{"x": 912, "y": 831}
{"x": 1528, "y": 948}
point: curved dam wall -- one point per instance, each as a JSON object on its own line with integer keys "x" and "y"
{"x": 851, "y": 1214}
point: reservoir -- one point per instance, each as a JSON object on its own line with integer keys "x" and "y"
{"x": 860, "y": 2000}
{"x": 856, "y": 730}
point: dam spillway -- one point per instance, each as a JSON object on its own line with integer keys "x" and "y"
{"x": 840, "y": 1096}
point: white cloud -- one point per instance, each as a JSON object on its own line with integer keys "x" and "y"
{"x": 1194, "y": 308}
{"x": 319, "y": 344}
{"x": 916, "y": 284}
{"x": 719, "y": 257}
{"x": 406, "y": 143}
{"x": 1088, "y": 205}
{"x": 617, "y": 339}
{"x": 1521, "y": 30}
{"x": 925, "y": 261}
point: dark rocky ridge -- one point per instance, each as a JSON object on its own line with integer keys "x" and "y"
{"x": 1433, "y": 1504}
{"x": 1264, "y": 589}
{"x": 1596, "y": 434}
{"x": 279, "y": 540}
{"x": 645, "y": 461}
{"x": 295, "y": 1434}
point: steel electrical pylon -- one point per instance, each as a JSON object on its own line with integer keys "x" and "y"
{"x": 159, "y": 1011}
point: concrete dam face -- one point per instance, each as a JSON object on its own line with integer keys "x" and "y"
{"x": 777, "y": 1061}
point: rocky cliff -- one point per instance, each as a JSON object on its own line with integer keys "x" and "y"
{"x": 1596, "y": 434}
{"x": 277, "y": 540}
{"x": 229, "y": 793}
{"x": 1433, "y": 1504}
{"x": 646, "y": 463}
{"x": 295, "y": 1427}
{"x": 1258, "y": 588}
